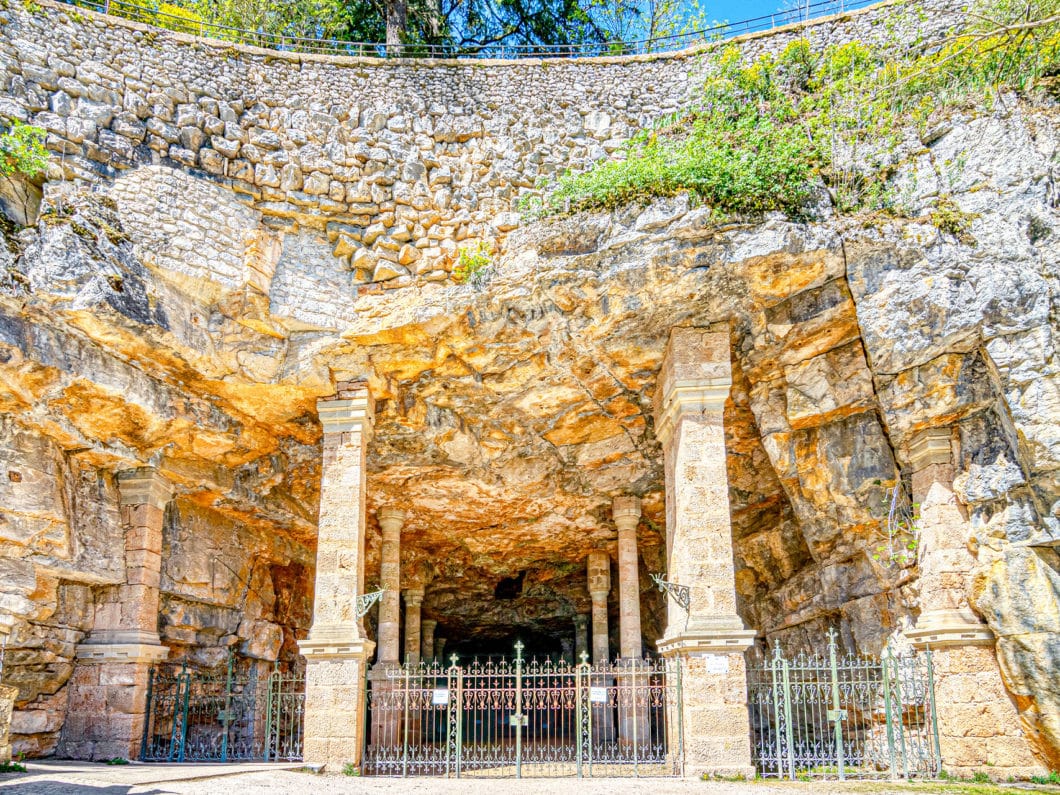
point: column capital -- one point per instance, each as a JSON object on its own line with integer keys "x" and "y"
{"x": 625, "y": 510}
{"x": 940, "y": 628}
{"x": 353, "y": 413}
{"x": 429, "y": 625}
{"x": 391, "y": 519}
{"x": 930, "y": 446}
{"x": 144, "y": 486}
{"x": 122, "y": 652}
{"x": 414, "y": 597}
{"x": 695, "y": 377}
{"x": 581, "y": 621}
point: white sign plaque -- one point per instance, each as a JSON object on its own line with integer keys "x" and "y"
{"x": 716, "y": 663}
{"x": 440, "y": 697}
{"x": 598, "y": 695}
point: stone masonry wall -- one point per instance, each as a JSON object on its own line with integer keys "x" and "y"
{"x": 399, "y": 164}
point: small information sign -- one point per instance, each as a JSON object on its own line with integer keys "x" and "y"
{"x": 598, "y": 695}
{"x": 440, "y": 697}
{"x": 717, "y": 663}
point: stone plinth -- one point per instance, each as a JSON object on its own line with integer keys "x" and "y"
{"x": 980, "y": 730}
{"x": 7, "y": 704}
{"x": 710, "y": 637}
{"x": 334, "y": 707}
{"x": 337, "y": 649}
{"x": 107, "y": 703}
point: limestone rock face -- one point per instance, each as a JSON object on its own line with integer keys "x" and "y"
{"x": 191, "y": 323}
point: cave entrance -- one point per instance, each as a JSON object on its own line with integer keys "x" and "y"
{"x": 522, "y": 717}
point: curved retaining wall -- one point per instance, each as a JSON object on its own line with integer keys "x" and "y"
{"x": 396, "y": 163}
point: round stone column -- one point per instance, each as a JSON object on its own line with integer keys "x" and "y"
{"x": 598, "y": 568}
{"x": 439, "y": 648}
{"x": 413, "y": 606}
{"x": 626, "y": 513}
{"x": 391, "y": 521}
{"x": 427, "y": 627}
{"x": 581, "y": 637}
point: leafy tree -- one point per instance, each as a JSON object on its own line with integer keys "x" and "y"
{"x": 22, "y": 150}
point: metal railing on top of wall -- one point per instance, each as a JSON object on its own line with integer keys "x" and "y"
{"x": 149, "y": 15}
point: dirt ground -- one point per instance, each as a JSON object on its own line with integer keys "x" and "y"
{"x": 60, "y": 778}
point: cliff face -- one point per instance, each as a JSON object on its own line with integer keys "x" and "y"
{"x": 189, "y": 319}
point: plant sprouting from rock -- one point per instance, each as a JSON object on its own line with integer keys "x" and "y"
{"x": 22, "y": 150}
{"x": 765, "y": 132}
{"x": 901, "y": 532}
{"x": 473, "y": 263}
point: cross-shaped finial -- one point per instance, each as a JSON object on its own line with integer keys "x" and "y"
{"x": 585, "y": 657}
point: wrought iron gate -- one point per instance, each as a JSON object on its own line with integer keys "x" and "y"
{"x": 222, "y": 715}
{"x": 844, "y": 716}
{"x": 524, "y": 718}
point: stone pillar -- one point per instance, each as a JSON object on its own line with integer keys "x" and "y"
{"x": 386, "y": 717}
{"x": 711, "y": 638}
{"x": 108, "y": 688}
{"x": 599, "y": 574}
{"x": 979, "y": 725}
{"x": 633, "y": 703}
{"x": 598, "y": 569}
{"x": 337, "y": 649}
{"x": 391, "y": 521}
{"x": 439, "y": 650}
{"x": 427, "y": 639}
{"x": 581, "y": 637}
{"x": 626, "y": 513}
{"x": 566, "y": 649}
{"x": 413, "y": 606}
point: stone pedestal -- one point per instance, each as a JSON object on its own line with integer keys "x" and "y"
{"x": 710, "y": 638}
{"x": 107, "y": 704}
{"x": 7, "y": 705}
{"x": 337, "y": 649}
{"x": 428, "y": 626}
{"x": 979, "y": 726}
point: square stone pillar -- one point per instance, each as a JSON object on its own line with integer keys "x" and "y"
{"x": 979, "y": 726}
{"x": 710, "y": 637}
{"x": 107, "y": 704}
{"x": 337, "y": 649}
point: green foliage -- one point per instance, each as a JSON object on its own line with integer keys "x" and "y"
{"x": 117, "y": 760}
{"x": 1052, "y": 778}
{"x": 22, "y": 150}
{"x": 979, "y": 777}
{"x": 472, "y": 263}
{"x": 12, "y": 767}
{"x": 350, "y": 769}
{"x": 949, "y": 218}
{"x": 764, "y": 132}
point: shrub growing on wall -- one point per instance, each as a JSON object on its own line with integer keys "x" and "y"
{"x": 22, "y": 150}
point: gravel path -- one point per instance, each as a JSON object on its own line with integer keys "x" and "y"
{"x": 78, "y": 778}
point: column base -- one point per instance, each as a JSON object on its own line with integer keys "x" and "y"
{"x": 980, "y": 730}
{"x": 717, "y": 730}
{"x": 8, "y": 694}
{"x": 107, "y": 706}
{"x": 335, "y": 697}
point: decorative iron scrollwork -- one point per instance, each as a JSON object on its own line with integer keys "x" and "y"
{"x": 680, "y": 593}
{"x": 365, "y": 602}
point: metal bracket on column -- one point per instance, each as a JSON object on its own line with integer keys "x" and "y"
{"x": 365, "y": 601}
{"x": 680, "y": 593}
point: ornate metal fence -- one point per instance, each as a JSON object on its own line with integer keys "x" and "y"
{"x": 524, "y": 718}
{"x": 844, "y": 716}
{"x": 222, "y": 715}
